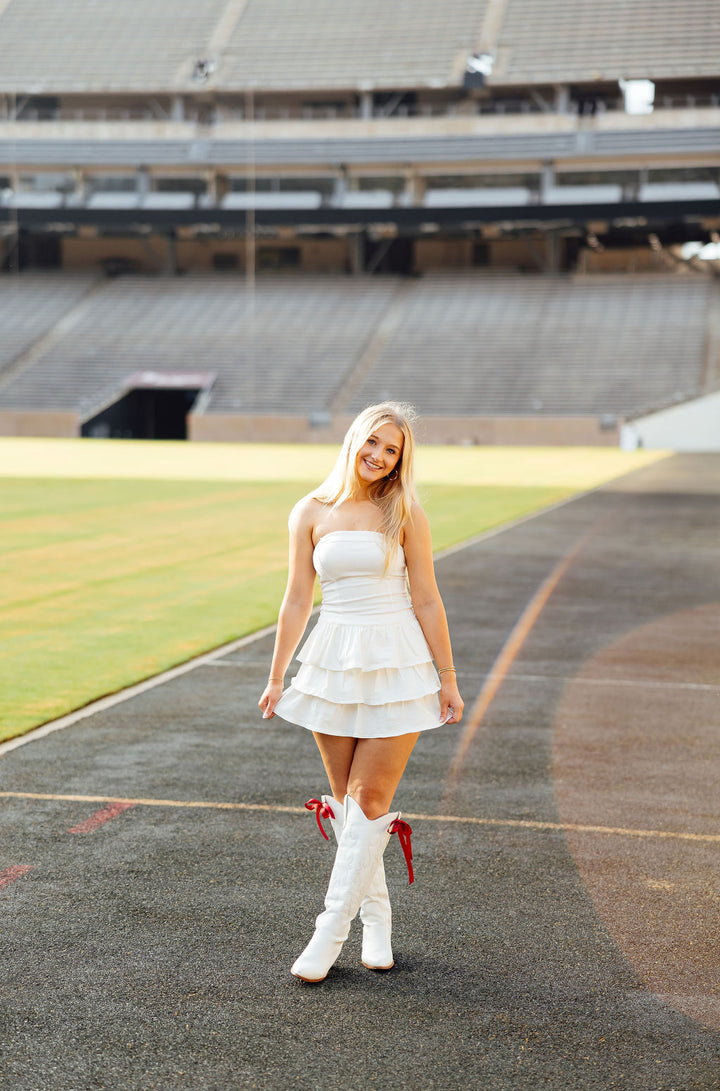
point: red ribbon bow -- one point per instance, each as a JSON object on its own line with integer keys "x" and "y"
{"x": 322, "y": 810}
{"x": 403, "y": 830}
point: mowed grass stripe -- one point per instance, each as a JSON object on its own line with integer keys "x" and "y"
{"x": 106, "y": 582}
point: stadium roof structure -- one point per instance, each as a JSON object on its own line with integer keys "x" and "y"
{"x": 181, "y": 46}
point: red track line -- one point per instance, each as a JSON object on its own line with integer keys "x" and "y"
{"x": 509, "y": 652}
{"x": 105, "y": 814}
{"x": 10, "y": 874}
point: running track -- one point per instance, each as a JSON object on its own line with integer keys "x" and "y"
{"x": 158, "y": 873}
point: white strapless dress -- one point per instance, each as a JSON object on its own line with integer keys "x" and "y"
{"x": 366, "y": 670}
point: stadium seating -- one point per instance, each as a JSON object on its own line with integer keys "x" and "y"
{"x": 302, "y": 44}
{"x": 291, "y": 45}
{"x": 288, "y": 346}
{"x": 582, "y": 41}
{"x": 462, "y": 344}
{"x": 513, "y": 345}
{"x": 81, "y": 45}
{"x": 32, "y": 304}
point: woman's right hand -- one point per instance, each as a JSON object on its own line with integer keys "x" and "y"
{"x": 271, "y": 695}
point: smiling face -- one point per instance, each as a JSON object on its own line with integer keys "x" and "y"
{"x": 380, "y": 453}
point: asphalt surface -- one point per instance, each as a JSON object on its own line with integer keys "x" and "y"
{"x": 563, "y": 935}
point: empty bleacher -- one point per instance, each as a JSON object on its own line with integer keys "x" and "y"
{"x": 497, "y": 345}
{"x": 458, "y": 344}
{"x": 82, "y": 45}
{"x": 286, "y": 347}
{"x": 584, "y": 41}
{"x": 287, "y": 44}
{"x": 33, "y": 304}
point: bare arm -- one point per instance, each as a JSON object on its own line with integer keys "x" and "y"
{"x": 429, "y": 609}
{"x": 296, "y": 604}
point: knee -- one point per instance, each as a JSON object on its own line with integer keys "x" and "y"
{"x": 372, "y": 801}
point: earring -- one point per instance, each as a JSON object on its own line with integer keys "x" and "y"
{"x": 393, "y": 476}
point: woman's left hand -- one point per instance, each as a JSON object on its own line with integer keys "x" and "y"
{"x": 451, "y": 703}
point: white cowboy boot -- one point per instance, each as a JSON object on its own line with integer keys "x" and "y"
{"x": 360, "y": 848}
{"x": 375, "y": 911}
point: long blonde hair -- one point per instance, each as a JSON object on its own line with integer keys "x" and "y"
{"x": 394, "y": 496}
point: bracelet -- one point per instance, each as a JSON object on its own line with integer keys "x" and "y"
{"x": 274, "y": 678}
{"x": 441, "y": 670}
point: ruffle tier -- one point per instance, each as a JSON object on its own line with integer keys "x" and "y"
{"x": 364, "y": 681}
{"x": 391, "y": 644}
{"x": 378, "y": 687}
{"x": 357, "y": 721}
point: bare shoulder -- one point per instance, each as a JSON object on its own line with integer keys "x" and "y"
{"x": 304, "y": 515}
{"x": 418, "y": 528}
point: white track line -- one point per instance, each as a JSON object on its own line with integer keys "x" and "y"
{"x": 208, "y": 658}
{"x": 133, "y": 691}
{"x": 467, "y": 820}
{"x": 564, "y": 679}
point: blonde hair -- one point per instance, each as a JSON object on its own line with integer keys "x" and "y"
{"x": 394, "y": 496}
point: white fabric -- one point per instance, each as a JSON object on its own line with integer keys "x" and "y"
{"x": 366, "y": 670}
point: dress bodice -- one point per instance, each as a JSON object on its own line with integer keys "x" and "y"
{"x": 354, "y": 583}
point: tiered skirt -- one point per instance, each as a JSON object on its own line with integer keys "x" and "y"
{"x": 364, "y": 681}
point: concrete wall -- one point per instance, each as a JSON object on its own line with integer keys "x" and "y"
{"x": 196, "y": 255}
{"x": 150, "y": 255}
{"x": 622, "y": 259}
{"x": 693, "y": 426}
{"x": 491, "y": 431}
{"x": 235, "y": 428}
{"x": 36, "y": 422}
{"x": 431, "y": 253}
{"x": 700, "y": 117}
{"x": 437, "y": 252}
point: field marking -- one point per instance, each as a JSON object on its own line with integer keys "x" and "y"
{"x": 566, "y": 679}
{"x": 106, "y": 814}
{"x": 276, "y": 808}
{"x": 149, "y": 802}
{"x": 133, "y": 691}
{"x": 11, "y": 874}
{"x": 510, "y": 649}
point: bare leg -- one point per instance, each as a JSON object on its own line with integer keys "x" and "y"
{"x": 337, "y": 755}
{"x": 377, "y": 767}
{"x": 367, "y": 769}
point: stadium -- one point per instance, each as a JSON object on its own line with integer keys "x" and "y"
{"x": 225, "y": 228}
{"x": 235, "y": 222}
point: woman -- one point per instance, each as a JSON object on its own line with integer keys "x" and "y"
{"x": 367, "y": 686}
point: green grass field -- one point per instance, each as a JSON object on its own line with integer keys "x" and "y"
{"x": 121, "y": 559}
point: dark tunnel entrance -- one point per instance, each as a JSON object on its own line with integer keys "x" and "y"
{"x": 153, "y": 405}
